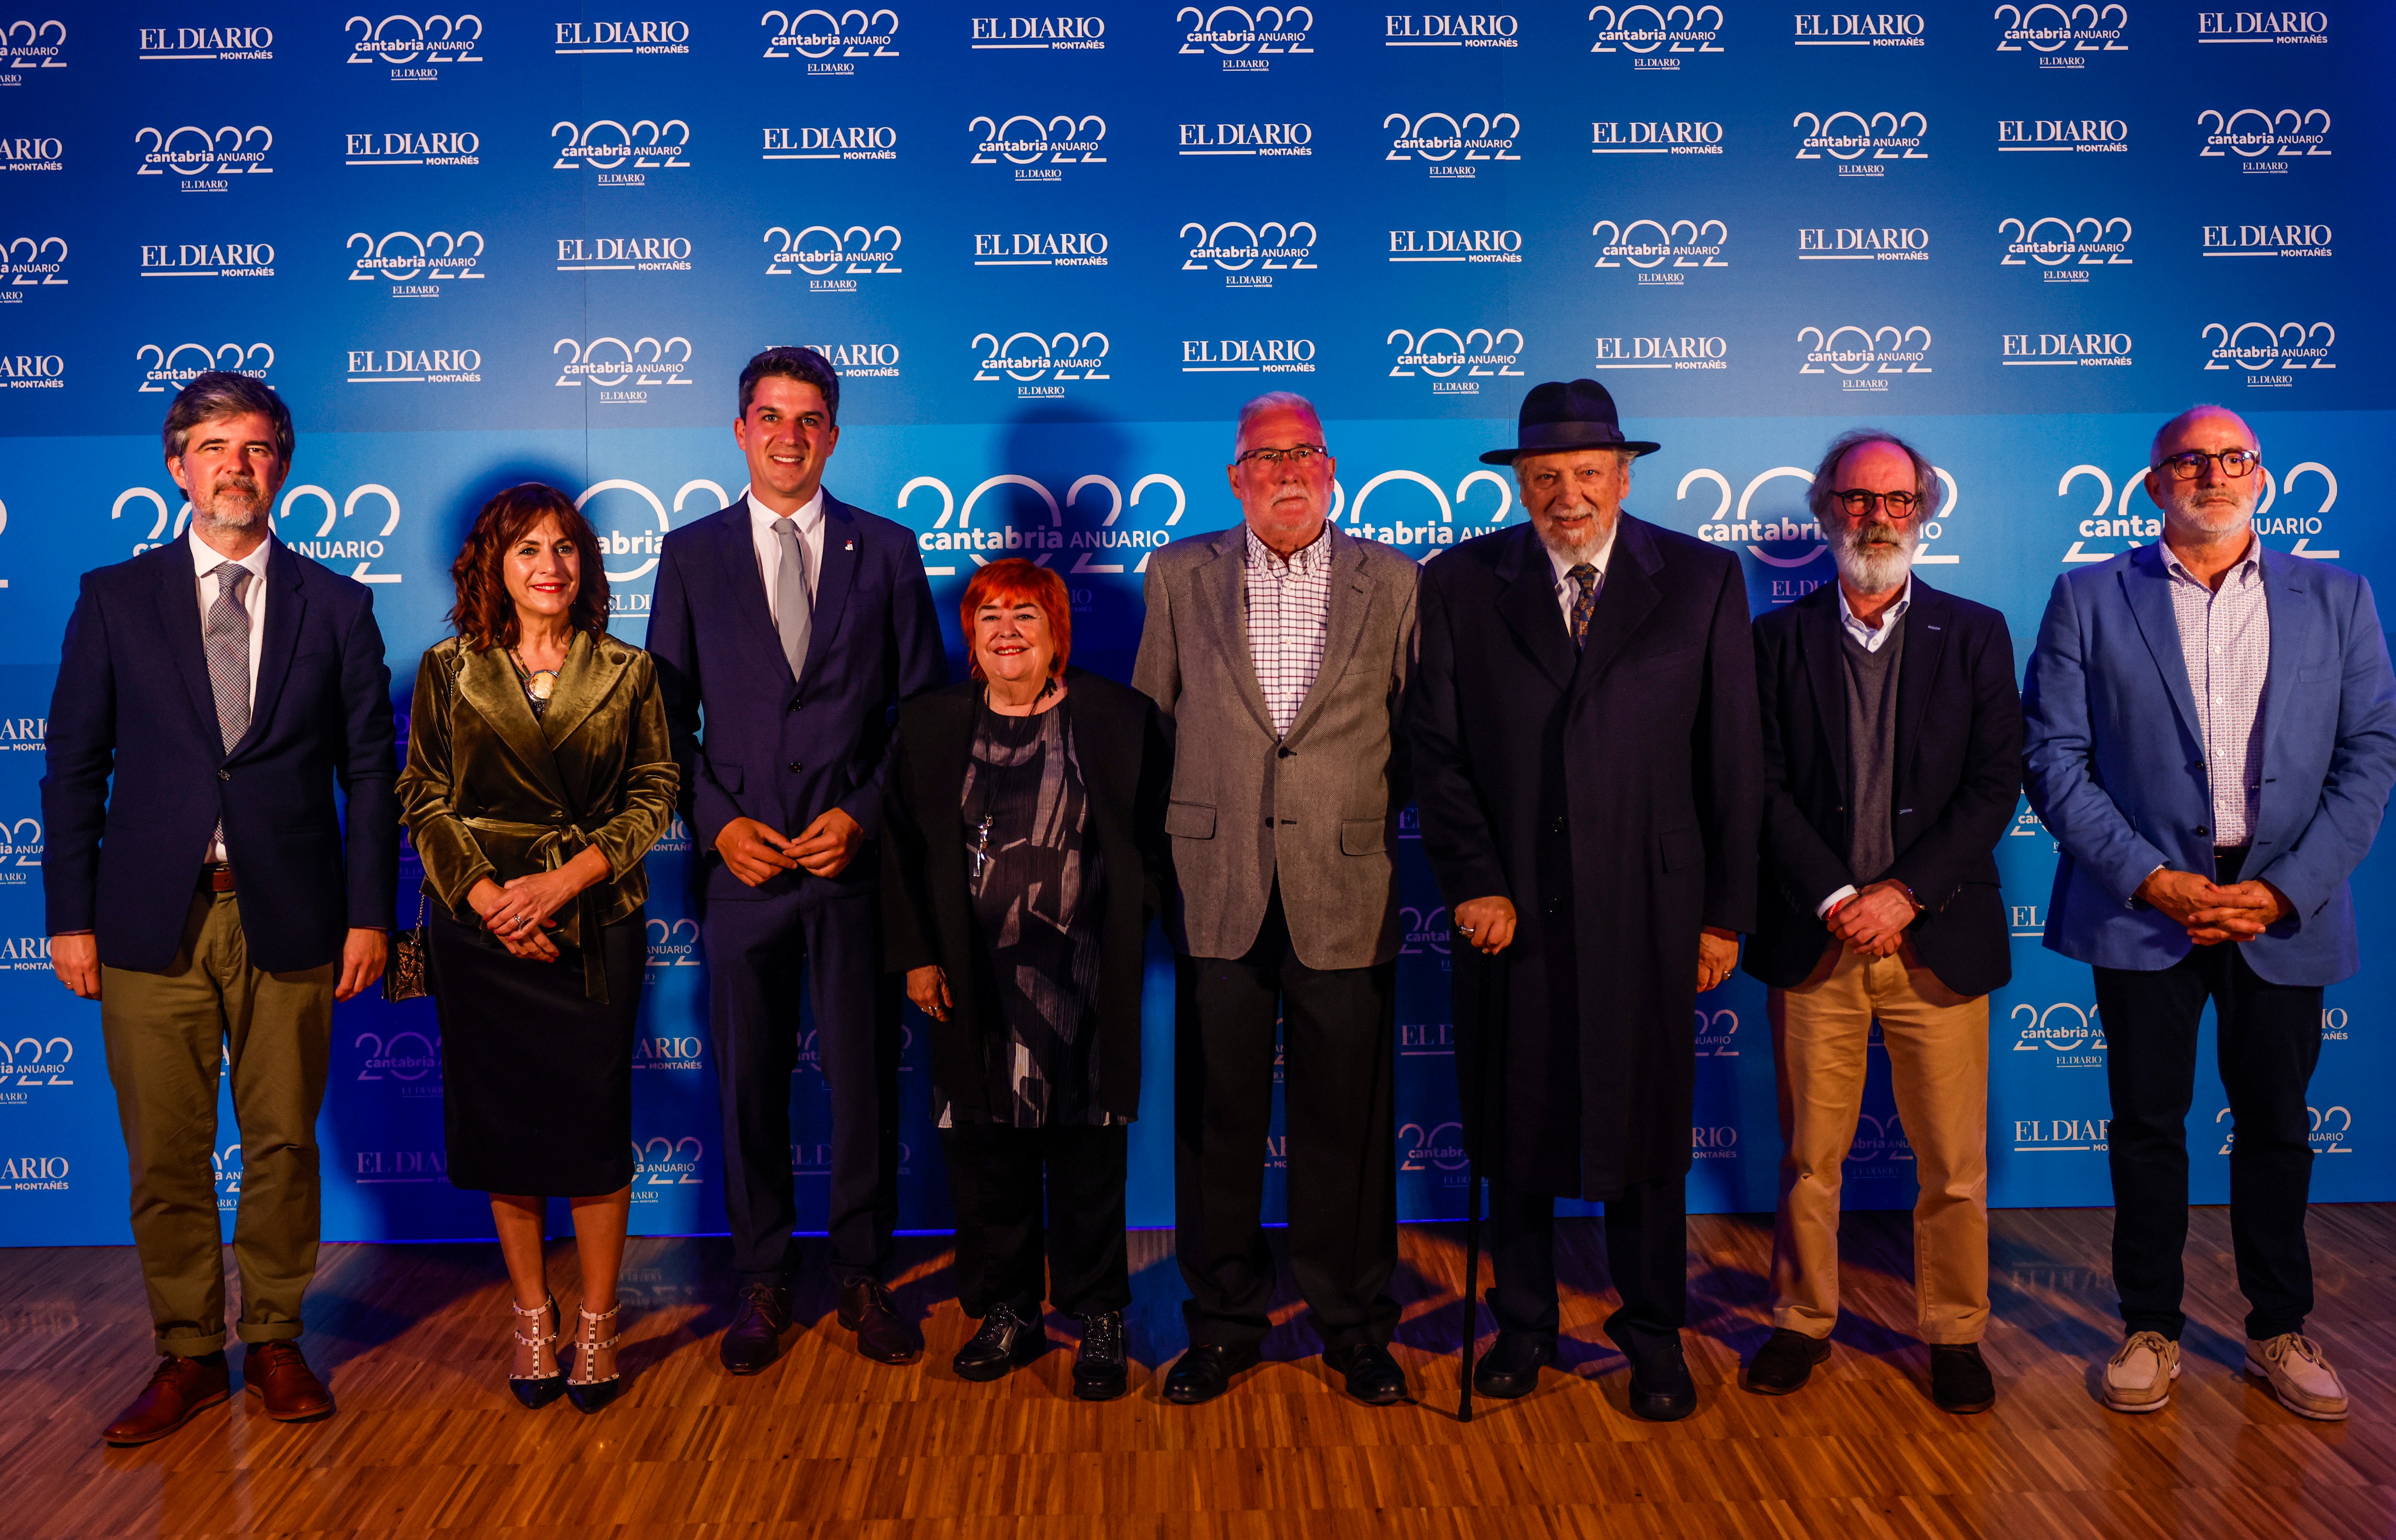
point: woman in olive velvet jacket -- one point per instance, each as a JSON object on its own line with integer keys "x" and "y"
{"x": 538, "y": 775}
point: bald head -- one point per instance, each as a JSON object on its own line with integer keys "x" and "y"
{"x": 2194, "y": 423}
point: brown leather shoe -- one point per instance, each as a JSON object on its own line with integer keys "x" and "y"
{"x": 759, "y": 1319}
{"x": 178, "y": 1388}
{"x": 278, "y": 1374}
{"x": 883, "y": 1334}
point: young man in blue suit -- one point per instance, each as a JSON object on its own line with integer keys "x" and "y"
{"x": 2211, "y": 739}
{"x": 787, "y": 629}
{"x": 212, "y": 693}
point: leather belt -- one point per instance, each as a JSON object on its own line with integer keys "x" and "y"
{"x": 216, "y": 877}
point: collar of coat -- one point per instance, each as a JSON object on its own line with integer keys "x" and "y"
{"x": 488, "y": 680}
{"x": 1350, "y": 595}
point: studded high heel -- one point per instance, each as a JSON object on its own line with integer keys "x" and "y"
{"x": 534, "y": 1377}
{"x": 588, "y": 1389}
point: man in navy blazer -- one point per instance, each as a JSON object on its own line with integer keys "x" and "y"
{"x": 787, "y": 629}
{"x": 2211, "y": 739}
{"x": 212, "y": 694}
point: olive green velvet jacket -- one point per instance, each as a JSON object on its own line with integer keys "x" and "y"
{"x": 492, "y": 791}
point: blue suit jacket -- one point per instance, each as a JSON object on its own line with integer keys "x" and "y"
{"x": 770, "y": 747}
{"x": 2115, "y": 764}
{"x": 134, "y": 703}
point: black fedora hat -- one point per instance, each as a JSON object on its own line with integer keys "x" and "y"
{"x": 1566, "y": 415}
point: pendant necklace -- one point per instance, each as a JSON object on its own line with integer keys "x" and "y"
{"x": 538, "y": 684}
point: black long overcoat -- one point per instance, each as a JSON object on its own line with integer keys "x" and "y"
{"x": 1616, "y": 798}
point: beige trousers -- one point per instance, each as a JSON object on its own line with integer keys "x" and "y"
{"x": 1939, "y": 1064}
{"x": 167, "y": 1035}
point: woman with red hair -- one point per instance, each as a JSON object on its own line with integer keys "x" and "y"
{"x": 1023, "y": 856}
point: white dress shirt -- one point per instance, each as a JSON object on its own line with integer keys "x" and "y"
{"x": 1569, "y": 591}
{"x": 1872, "y": 641}
{"x": 810, "y": 520}
{"x": 206, "y": 559}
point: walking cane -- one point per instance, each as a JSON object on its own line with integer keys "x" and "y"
{"x": 1492, "y": 1047}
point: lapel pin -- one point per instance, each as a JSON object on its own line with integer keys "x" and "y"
{"x": 848, "y": 545}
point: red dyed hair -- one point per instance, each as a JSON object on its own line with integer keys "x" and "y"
{"x": 1013, "y": 581}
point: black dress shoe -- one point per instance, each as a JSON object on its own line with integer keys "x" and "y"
{"x": 1960, "y": 1381}
{"x": 759, "y": 1317}
{"x": 883, "y": 1334}
{"x": 1005, "y": 1342}
{"x": 1660, "y": 1387}
{"x": 1511, "y": 1368}
{"x": 1101, "y": 1370}
{"x": 1785, "y": 1362}
{"x": 1205, "y": 1371}
{"x": 1372, "y": 1376}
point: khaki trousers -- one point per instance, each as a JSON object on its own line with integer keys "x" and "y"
{"x": 167, "y": 1033}
{"x": 1939, "y": 1064}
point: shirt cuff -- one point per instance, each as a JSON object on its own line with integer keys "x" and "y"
{"x": 1834, "y": 900}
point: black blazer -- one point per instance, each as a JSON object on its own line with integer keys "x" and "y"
{"x": 770, "y": 747}
{"x": 927, "y": 914}
{"x": 134, "y": 703}
{"x": 1958, "y": 780}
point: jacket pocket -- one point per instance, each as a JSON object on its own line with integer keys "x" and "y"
{"x": 1681, "y": 849}
{"x": 1361, "y": 836}
{"x": 727, "y": 775}
{"x": 1189, "y": 821}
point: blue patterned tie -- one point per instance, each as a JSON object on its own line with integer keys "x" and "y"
{"x": 1586, "y": 576}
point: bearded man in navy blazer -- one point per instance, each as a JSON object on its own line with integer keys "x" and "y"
{"x": 212, "y": 694}
{"x": 2211, "y": 739}
{"x": 787, "y": 629}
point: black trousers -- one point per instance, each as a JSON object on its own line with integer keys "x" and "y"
{"x": 995, "y": 1179}
{"x": 1338, "y": 1031}
{"x": 2270, "y": 1040}
{"x": 1646, "y": 1251}
{"x": 759, "y": 953}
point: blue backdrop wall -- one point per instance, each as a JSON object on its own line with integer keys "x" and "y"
{"x": 1052, "y": 249}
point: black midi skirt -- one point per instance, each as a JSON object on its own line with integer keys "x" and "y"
{"x": 537, "y": 1079}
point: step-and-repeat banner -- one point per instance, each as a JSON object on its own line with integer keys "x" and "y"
{"x": 1051, "y": 249}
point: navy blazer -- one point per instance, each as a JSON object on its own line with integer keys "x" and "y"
{"x": 134, "y": 703}
{"x": 2116, "y": 768}
{"x": 1956, "y": 778}
{"x": 752, "y": 741}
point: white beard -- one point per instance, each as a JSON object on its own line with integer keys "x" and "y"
{"x": 1876, "y": 566}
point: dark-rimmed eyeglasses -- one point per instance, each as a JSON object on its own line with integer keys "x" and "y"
{"x": 2190, "y": 464}
{"x": 1298, "y": 455}
{"x": 1859, "y": 503}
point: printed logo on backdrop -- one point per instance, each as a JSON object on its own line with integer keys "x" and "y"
{"x": 413, "y": 266}
{"x": 1038, "y": 148}
{"x": 32, "y": 1065}
{"x": 1063, "y": 33}
{"x": 1862, "y": 144}
{"x": 2262, "y": 26}
{"x": 673, "y": 944}
{"x": 407, "y": 1061}
{"x": 2272, "y": 355}
{"x": 1717, "y": 1033}
{"x": 1452, "y": 525}
{"x": 30, "y": 262}
{"x": 1655, "y": 137}
{"x": 33, "y": 153}
{"x": 1427, "y": 1038}
{"x": 2064, "y": 250}
{"x": 2063, "y": 136}
{"x": 1659, "y": 251}
{"x": 370, "y": 1168}
{"x": 831, "y": 142}
{"x": 1454, "y": 361}
{"x": 413, "y": 49}
{"x": 1455, "y": 245}
{"x": 36, "y": 1173}
{"x": 1425, "y": 1147}
{"x": 27, "y": 735}
{"x": 193, "y": 259}
{"x": 1789, "y": 538}
{"x": 1065, "y": 248}
{"x": 331, "y": 541}
{"x": 2023, "y": 920}
{"x": 33, "y": 371}
{"x": 617, "y": 156}
{"x": 1450, "y": 29}
{"x": 2060, "y": 34}
{"x": 1245, "y": 139}
{"x": 1861, "y": 29}
{"x": 2069, "y": 1034}
{"x": 638, "y": 529}
{"x": 434, "y": 366}
{"x": 2111, "y": 519}
{"x": 20, "y": 866}
{"x": 1656, "y": 36}
{"x": 2334, "y": 1024}
{"x": 831, "y": 259}
{"x": 1041, "y": 365}
{"x": 2062, "y": 1135}
{"x": 1038, "y": 532}
{"x": 1454, "y": 145}
{"x": 1864, "y": 358}
{"x": 665, "y": 1161}
{"x": 623, "y": 37}
{"x": 1660, "y": 352}
{"x": 177, "y": 366}
{"x": 438, "y": 147}
{"x": 1720, "y": 1141}
{"x": 178, "y": 43}
{"x": 227, "y": 1170}
{"x": 2065, "y": 349}
{"x": 205, "y": 160}
{"x": 830, "y": 44}
{"x": 668, "y": 1053}
{"x": 1863, "y": 244}
{"x": 27, "y": 45}
{"x": 857, "y": 360}
{"x": 1423, "y": 930}
{"x": 2267, "y": 240}
{"x": 621, "y": 254}
{"x": 1246, "y": 38}
{"x": 1248, "y": 255}
{"x": 676, "y": 840}
{"x": 2330, "y": 1128}
{"x": 2264, "y": 143}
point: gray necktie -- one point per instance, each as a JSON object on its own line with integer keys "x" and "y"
{"x": 793, "y": 611}
{"x": 227, "y": 634}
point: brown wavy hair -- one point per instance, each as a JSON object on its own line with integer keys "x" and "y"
{"x": 484, "y": 614}
{"x": 1013, "y": 581}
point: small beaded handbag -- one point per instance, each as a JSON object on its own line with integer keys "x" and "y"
{"x": 403, "y": 974}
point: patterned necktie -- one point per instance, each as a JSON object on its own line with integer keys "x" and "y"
{"x": 1586, "y": 576}
{"x": 793, "y": 612}
{"x": 227, "y": 634}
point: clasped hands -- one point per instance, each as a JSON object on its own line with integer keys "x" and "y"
{"x": 2211, "y": 913}
{"x": 1873, "y": 918}
{"x": 1488, "y": 924}
{"x": 757, "y": 854}
{"x": 521, "y": 912}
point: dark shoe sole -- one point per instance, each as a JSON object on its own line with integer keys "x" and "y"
{"x": 1395, "y": 1394}
{"x": 217, "y": 1400}
{"x": 1024, "y": 1352}
{"x": 1091, "y": 1389}
{"x": 1174, "y": 1394}
{"x": 1974, "y": 1409}
{"x": 909, "y": 1356}
{"x": 1758, "y": 1387}
{"x": 759, "y": 1367}
{"x": 1508, "y": 1389}
{"x": 1652, "y": 1410}
{"x": 295, "y": 1417}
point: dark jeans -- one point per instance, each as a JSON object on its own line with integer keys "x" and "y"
{"x": 995, "y": 1180}
{"x": 1646, "y": 1252}
{"x": 2270, "y": 1040}
{"x": 1338, "y": 1054}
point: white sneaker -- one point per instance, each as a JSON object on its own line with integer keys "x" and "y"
{"x": 2140, "y": 1377}
{"x": 2292, "y": 1366}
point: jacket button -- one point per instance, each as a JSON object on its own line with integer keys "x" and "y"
{"x": 1557, "y": 906}
{"x": 797, "y": 705}
{"x": 1557, "y": 827}
{"x": 796, "y": 766}
{"x": 1283, "y": 753}
{"x": 2202, "y": 830}
{"x": 224, "y": 774}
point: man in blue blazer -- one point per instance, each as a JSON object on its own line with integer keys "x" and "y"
{"x": 2211, "y": 739}
{"x": 212, "y": 694}
{"x": 787, "y": 629}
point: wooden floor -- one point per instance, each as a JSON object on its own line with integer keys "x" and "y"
{"x": 828, "y": 1444}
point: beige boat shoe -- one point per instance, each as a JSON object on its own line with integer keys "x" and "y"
{"x": 2292, "y": 1366}
{"x": 2140, "y": 1377}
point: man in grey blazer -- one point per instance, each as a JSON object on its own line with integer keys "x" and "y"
{"x": 1278, "y": 651}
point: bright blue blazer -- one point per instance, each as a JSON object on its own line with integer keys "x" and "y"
{"x": 2115, "y": 765}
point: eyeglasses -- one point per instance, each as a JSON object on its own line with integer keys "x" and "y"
{"x": 2190, "y": 464}
{"x": 1860, "y": 503}
{"x": 1299, "y": 455}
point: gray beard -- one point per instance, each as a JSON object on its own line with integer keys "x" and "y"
{"x": 1572, "y": 554}
{"x": 222, "y": 513}
{"x": 2214, "y": 520}
{"x": 1874, "y": 566}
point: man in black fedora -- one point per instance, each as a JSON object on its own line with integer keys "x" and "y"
{"x": 1588, "y": 765}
